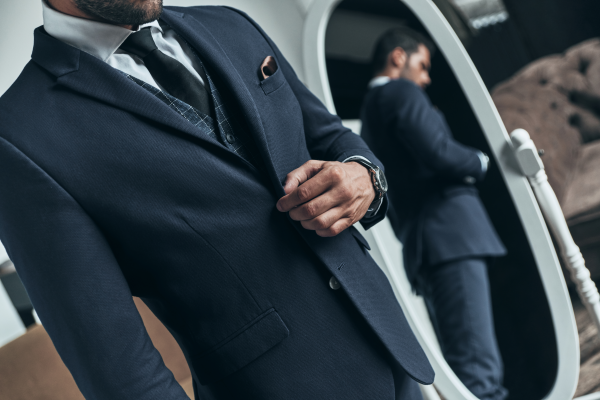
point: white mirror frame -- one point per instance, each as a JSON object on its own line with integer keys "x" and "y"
{"x": 382, "y": 238}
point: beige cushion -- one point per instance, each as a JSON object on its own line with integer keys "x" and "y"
{"x": 583, "y": 195}
{"x": 188, "y": 386}
{"x": 544, "y": 113}
{"x": 30, "y": 369}
{"x": 554, "y": 100}
{"x": 577, "y": 69}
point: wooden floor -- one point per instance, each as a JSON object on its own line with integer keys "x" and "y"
{"x": 589, "y": 344}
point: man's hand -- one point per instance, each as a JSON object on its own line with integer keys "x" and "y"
{"x": 327, "y": 197}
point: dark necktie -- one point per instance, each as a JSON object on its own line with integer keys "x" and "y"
{"x": 169, "y": 73}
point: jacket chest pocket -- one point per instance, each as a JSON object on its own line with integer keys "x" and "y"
{"x": 273, "y": 82}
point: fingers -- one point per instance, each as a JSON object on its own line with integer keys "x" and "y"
{"x": 300, "y": 175}
{"x": 327, "y": 197}
{"x": 336, "y": 228}
{"x": 311, "y": 199}
{"x": 315, "y": 207}
{"x": 310, "y": 189}
{"x": 324, "y": 220}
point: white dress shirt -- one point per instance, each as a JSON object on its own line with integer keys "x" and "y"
{"x": 103, "y": 40}
{"x": 379, "y": 81}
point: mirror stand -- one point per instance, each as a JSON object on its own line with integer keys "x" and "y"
{"x": 533, "y": 168}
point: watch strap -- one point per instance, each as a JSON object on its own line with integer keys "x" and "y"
{"x": 378, "y": 201}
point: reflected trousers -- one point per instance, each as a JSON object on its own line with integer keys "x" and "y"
{"x": 457, "y": 295}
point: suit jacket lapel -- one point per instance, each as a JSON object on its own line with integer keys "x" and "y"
{"x": 85, "y": 74}
{"x": 221, "y": 68}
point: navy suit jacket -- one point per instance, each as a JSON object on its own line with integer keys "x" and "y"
{"x": 108, "y": 193}
{"x": 435, "y": 214}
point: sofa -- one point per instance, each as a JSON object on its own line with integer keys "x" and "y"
{"x": 557, "y": 100}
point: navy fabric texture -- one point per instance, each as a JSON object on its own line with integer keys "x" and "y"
{"x": 109, "y": 193}
{"x": 220, "y": 129}
{"x": 457, "y": 296}
{"x": 435, "y": 214}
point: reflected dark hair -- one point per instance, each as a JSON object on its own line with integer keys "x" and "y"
{"x": 404, "y": 37}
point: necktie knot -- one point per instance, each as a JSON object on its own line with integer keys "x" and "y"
{"x": 171, "y": 75}
{"x": 139, "y": 43}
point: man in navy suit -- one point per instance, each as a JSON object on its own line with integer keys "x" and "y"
{"x": 435, "y": 209}
{"x": 181, "y": 160}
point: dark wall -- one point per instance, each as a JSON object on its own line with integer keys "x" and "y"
{"x": 348, "y": 81}
{"x": 552, "y": 26}
{"x": 498, "y": 51}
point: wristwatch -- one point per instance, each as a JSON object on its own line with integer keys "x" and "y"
{"x": 378, "y": 180}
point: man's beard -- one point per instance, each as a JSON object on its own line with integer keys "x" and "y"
{"x": 122, "y": 12}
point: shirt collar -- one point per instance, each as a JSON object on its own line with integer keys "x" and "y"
{"x": 96, "y": 38}
{"x": 379, "y": 81}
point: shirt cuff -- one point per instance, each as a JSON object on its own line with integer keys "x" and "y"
{"x": 485, "y": 161}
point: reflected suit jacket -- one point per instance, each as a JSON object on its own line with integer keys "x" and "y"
{"x": 435, "y": 214}
{"x": 109, "y": 193}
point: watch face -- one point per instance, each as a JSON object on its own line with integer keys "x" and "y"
{"x": 382, "y": 180}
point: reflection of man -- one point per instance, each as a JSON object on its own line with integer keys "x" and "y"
{"x": 436, "y": 211}
{"x": 151, "y": 162}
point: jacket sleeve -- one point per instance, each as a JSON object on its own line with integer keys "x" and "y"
{"x": 425, "y": 133}
{"x": 326, "y": 138}
{"x": 77, "y": 287}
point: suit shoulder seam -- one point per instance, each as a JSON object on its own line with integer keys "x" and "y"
{"x": 252, "y": 22}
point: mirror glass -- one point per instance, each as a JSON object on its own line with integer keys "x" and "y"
{"x": 521, "y": 314}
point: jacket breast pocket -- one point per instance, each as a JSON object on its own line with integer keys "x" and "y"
{"x": 241, "y": 348}
{"x": 273, "y": 82}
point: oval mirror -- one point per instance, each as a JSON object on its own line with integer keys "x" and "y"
{"x": 533, "y": 316}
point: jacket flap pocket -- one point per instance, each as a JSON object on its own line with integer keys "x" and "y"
{"x": 360, "y": 238}
{"x": 260, "y": 335}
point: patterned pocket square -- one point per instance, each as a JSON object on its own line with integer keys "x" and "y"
{"x": 268, "y": 68}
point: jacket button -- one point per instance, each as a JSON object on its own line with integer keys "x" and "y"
{"x": 334, "y": 284}
{"x": 469, "y": 180}
{"x": 230, "y": 138}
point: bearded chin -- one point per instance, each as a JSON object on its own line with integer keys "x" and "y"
{"x": 122, "y": 12}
